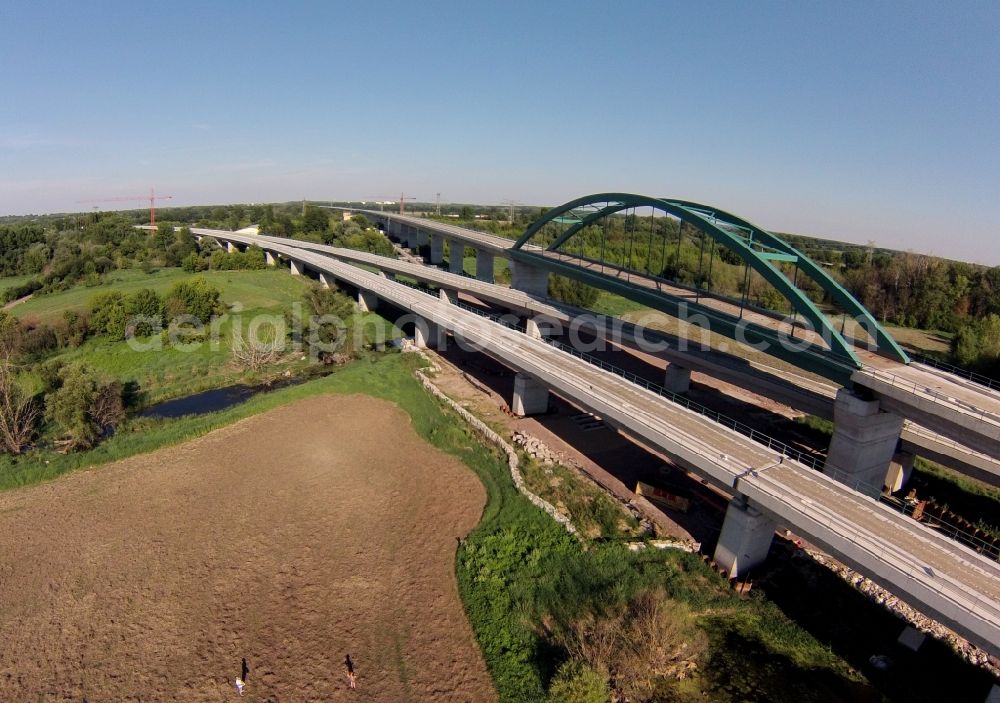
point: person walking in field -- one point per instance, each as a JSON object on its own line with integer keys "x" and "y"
{"x": 241, "y": 680}
{"x": 352, "y": 681}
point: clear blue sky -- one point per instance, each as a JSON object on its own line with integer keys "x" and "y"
{"x": 859, "y": 121}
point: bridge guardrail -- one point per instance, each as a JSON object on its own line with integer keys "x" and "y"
{"x": 920, "y": 389}
{"x": 977, "y": 378}
{"x": 808, "y": 460}
{"x": 976, "y": 604}
{"x": 978, "y": 544}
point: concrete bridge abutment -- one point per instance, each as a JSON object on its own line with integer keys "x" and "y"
{"x": 745, "y": 539}
{"x": 531, "y": 397}
{"x": 864, "y": 442}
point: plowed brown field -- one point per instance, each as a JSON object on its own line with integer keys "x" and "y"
{"x": 292, "y": 538}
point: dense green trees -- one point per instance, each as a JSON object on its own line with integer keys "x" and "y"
{"x": 572, "y": 292}
{"x": 85, "y": 405}
{"x": 195, "y": 297}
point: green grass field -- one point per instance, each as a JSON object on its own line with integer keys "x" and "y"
{"x": 167, "y": 372}
{"x": 252, "y": 289}
{"x": 11, "y": 281}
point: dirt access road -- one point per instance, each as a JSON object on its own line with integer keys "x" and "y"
{"x": 291, "y": 538}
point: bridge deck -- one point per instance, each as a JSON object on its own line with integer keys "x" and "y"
{"x": 982, "y": 465}
{"x": 955, "y": 394}
{"x": 939, "y": 576}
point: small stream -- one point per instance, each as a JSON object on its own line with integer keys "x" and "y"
{"x": 216, "y": 399}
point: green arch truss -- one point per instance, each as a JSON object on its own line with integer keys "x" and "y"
{"x": 758, "y": 248}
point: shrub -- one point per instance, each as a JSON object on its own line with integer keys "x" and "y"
{"x": 108, "y": 314}
{"x": 577, "y": 682}
{"x": 144, "y": 310}
{"x": 84, "y": 406}
{"x": 572, "y": 291}
{"x": 195, "y": 297}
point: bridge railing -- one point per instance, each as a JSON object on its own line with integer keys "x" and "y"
{"x": 983, "y": 546}
{"x": 976, "y": 378}
{"x": 781, "y": 448}
{"x": 986, "y": 546}
{"x": 923, "y": 390}
{"x": 959, "y": 597}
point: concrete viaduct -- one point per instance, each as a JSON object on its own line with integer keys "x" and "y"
{"x": 937, "y": 575}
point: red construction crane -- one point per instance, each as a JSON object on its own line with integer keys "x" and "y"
{"x": 152, "y": 198}
{"x": 402, "y": 202}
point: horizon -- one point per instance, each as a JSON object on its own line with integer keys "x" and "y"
{"x": 851, "y": 123}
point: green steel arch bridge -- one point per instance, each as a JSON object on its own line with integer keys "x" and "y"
{"x": 812, "y": 339}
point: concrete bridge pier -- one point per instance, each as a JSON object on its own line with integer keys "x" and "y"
{"x": 410, "y": 235}
{"x": 367, "y": 301}
{"x": 387, "y": 275}
{"x": 531, "y": 397}
{"x": 325, "y": 279}
{"x": 428, "y": 334}
{"x": 530, "y": 279}
{"x": 484, "y": 266}
{"x": 231, "y": 248}
{"x": 447, "y": 296}
{"x": 270, "y": 259}
{"x": 539, "y": 327}
{"x": 745, "y": 539}
{"x": 422, "y": 238}
{"x": 295, "y": 267}
{"x": 437, "y": 248}
{"x": 900, "y": 469}
{"x": 677, "y": 379}
{"x": 456, "y": 256}
{"x": 864, "y": 442}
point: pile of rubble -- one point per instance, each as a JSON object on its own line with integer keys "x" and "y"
{"x": 964, "y": 649}
{"x": 536, "y": 449}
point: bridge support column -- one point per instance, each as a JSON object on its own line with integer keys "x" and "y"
{"x": 325, "y": 279}
{"x": 295, "y": 267}
{"x": 428, "y": 334}
{"x": 456, "y": 256}
{"x": 447, "y": 296}
{"x": 539, "y": 326}
{"x": 422, "y": 238}
{"x": 231, "y": 248}
{"x": 677, "y": 379}
{"x": 900, "y": 469}
{"x": 530, "y": 396}
{"x": 745, "y": 539}
{"x": 530, "y": 279}
{"x": 412, "y": 240}
{"x": 437, "y": 248}
{"x": 387, "y": 275}
{"x": 367, "y": 301}
{"x": 864, "y": 442}
{"x": 270, "y": 259}
{"x": 484, "y": 266}
{"x": 994, "y": 695}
